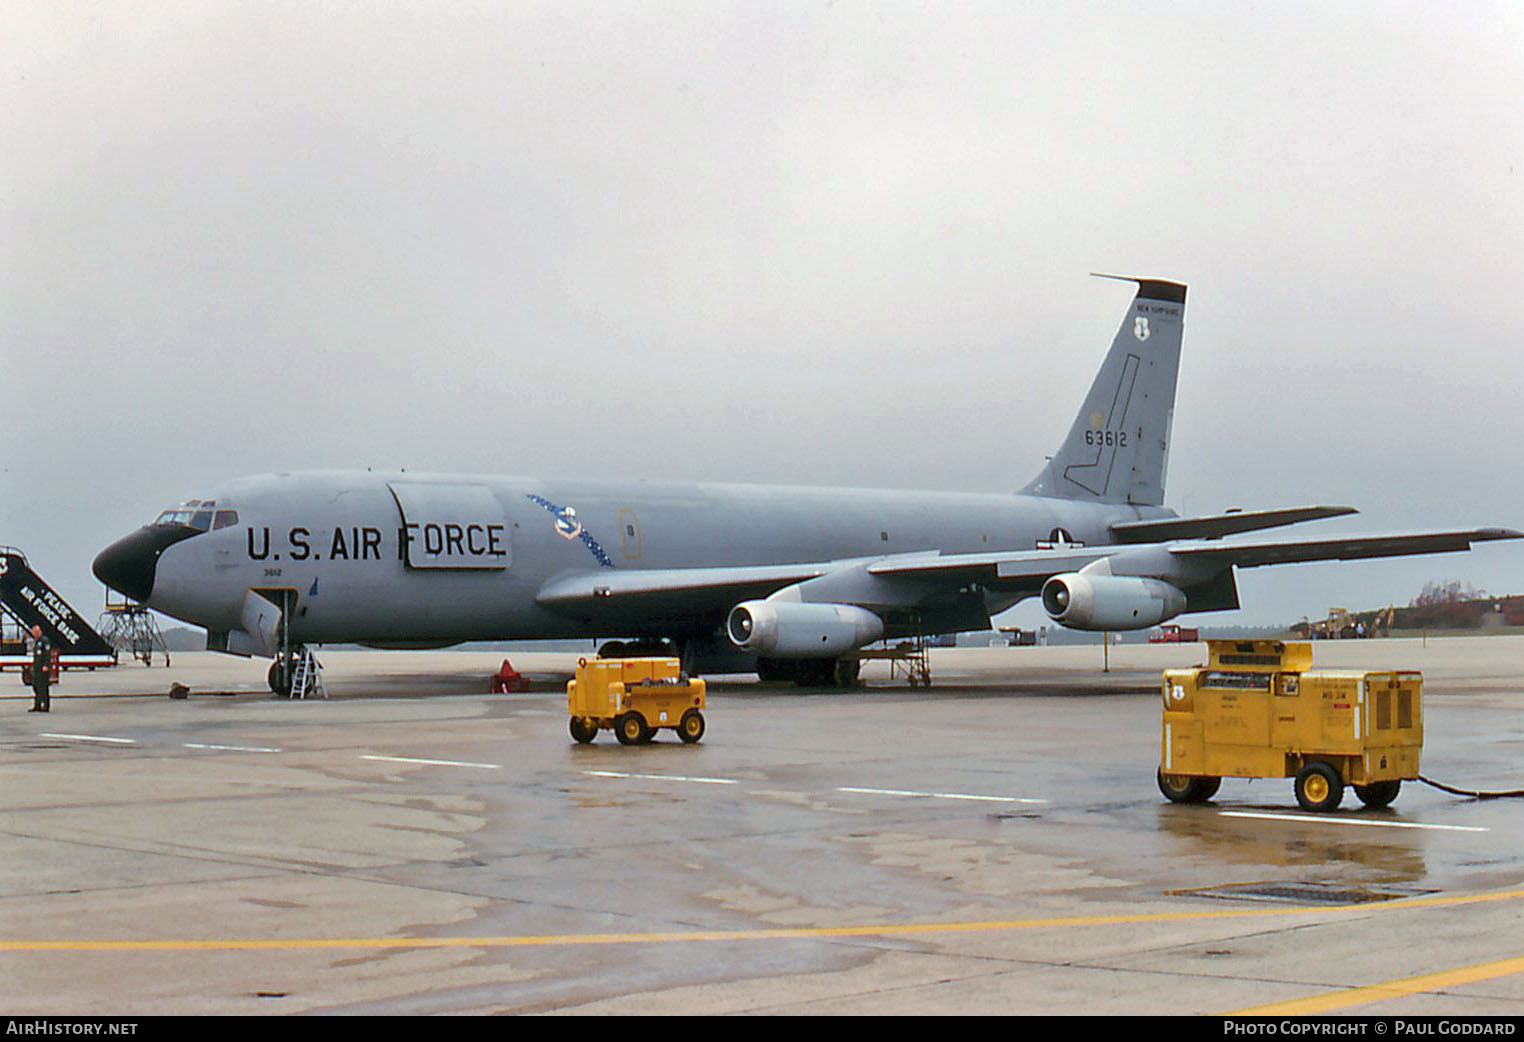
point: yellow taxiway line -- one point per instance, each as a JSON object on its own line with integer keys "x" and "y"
{"x": 1429, "y": 983}
{"x": 780, "y": 933}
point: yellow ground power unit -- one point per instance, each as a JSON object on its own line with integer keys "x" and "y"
{"x": 634, "y": 697}
{"x": 1258, "y": 709}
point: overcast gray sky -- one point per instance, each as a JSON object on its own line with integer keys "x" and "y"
{"x": 823, "y": 243}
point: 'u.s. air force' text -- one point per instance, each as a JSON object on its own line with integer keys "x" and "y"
{"x": 364, "y": 543}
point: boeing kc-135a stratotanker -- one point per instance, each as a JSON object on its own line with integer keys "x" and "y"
{"x": 786, "y": 581}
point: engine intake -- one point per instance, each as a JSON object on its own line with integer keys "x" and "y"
{"x": 1110, "y": 602}
{"x": 789, "y": 629}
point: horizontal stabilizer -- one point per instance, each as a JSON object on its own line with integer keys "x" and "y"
{"x": 1213, "y": 526}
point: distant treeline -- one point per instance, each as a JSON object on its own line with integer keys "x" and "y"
{"x": 1441, "y": 606}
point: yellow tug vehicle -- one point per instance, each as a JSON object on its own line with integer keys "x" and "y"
{"x": 634, "y": 698}
{"x": 1258, "y": 709}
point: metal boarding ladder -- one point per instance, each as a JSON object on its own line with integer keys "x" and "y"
{"x": 307, "y": 679}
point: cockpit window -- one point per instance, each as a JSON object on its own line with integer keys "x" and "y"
{"x": 198, "y": 514}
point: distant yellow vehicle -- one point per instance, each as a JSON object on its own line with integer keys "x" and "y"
{"x": 1259, "y": 710}
{"x": 634, "y": 697}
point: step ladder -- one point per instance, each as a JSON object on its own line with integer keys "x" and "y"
{"x": 307, "y": 678}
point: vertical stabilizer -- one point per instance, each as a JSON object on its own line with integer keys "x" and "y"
{"x": 1118, "y": 447}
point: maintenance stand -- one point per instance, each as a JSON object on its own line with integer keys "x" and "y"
{"x": 129, "y": 626}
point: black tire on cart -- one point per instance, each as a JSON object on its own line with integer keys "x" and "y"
{"x": 691, "y": 727}
{"x": 631, "y": 729}
{"x": 582, "y": 729}
{"x": 1319, "y": 788}
{"x": 1378, "y": 794}
{"x": 1185, "y": 788}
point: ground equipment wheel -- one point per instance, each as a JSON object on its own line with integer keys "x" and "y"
{"x": 631, "y": 729}
{"x": 1183, "y": 788}
{"x": 691, "y": 727}
{"x": 582, "y": 729}
{"x": 1319, "y": 787}
{"x": 1378, "y": 794}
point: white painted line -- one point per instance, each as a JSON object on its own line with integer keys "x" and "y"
{"x": 91, "y": 738}
{"x": 1316, "y": 820}
{"x": 231, "y": 748}
{"x": 663, "y": 777}
{"x": 939, "y": 795}
{"x": 435, "y": 763}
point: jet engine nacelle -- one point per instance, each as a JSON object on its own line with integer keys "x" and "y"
{"x": 1110, "y": 602}
{"x": 790, "y": 629}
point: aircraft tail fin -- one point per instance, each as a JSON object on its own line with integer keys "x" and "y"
{"x": 1117, "y": 450}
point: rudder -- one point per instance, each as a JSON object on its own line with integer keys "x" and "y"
{"x": 1117, "y": 450}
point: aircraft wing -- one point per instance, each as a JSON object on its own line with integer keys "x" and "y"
{"x": 651, "y": 596}
{"x": 1253, "y": 555}
{"x": 645, "y": 594}
{"x": 1027, "y": 565}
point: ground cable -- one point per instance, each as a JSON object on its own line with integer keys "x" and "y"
{"x": 1513, "y": 794}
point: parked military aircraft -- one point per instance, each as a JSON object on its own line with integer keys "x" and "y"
{"x": 786, "y": 581}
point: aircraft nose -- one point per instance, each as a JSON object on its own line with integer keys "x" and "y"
{"x": 128, "y": 565}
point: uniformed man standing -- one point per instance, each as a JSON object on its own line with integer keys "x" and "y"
{"x": 42, "y": 655}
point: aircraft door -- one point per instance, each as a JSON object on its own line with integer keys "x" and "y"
{"x": 451, "y": 526}
{"x": 261, "y": 622}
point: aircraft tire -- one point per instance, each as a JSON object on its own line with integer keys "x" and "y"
{"x": 279, "y": 678}
{"x": 815, "y": 672}
{"x": 845, "y": 671}
{"x": 691, "y": 727}
{"x": 1318, "y": 787}
{"x": 771, "y": 670}
{"x": 645, "y": 648}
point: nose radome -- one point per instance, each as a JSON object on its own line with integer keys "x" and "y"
{"x": 128, "y": 565}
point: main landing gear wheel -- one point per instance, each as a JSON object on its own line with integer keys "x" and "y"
{"x": 1319, "y": 787}
{"x": 1378, "y": 794}
{"x": 631, "y": 729}
{"x": 772, "y": 671}
{"x": 691, "y": 727}
{"x": 1183, "y": 788}
{"x": 826, "y": 672}
{"x": 583, "y": 731}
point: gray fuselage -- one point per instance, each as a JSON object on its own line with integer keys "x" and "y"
{"x": 352, "y": 546}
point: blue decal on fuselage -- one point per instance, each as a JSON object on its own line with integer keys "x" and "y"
{"x": 568, "y": 527}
